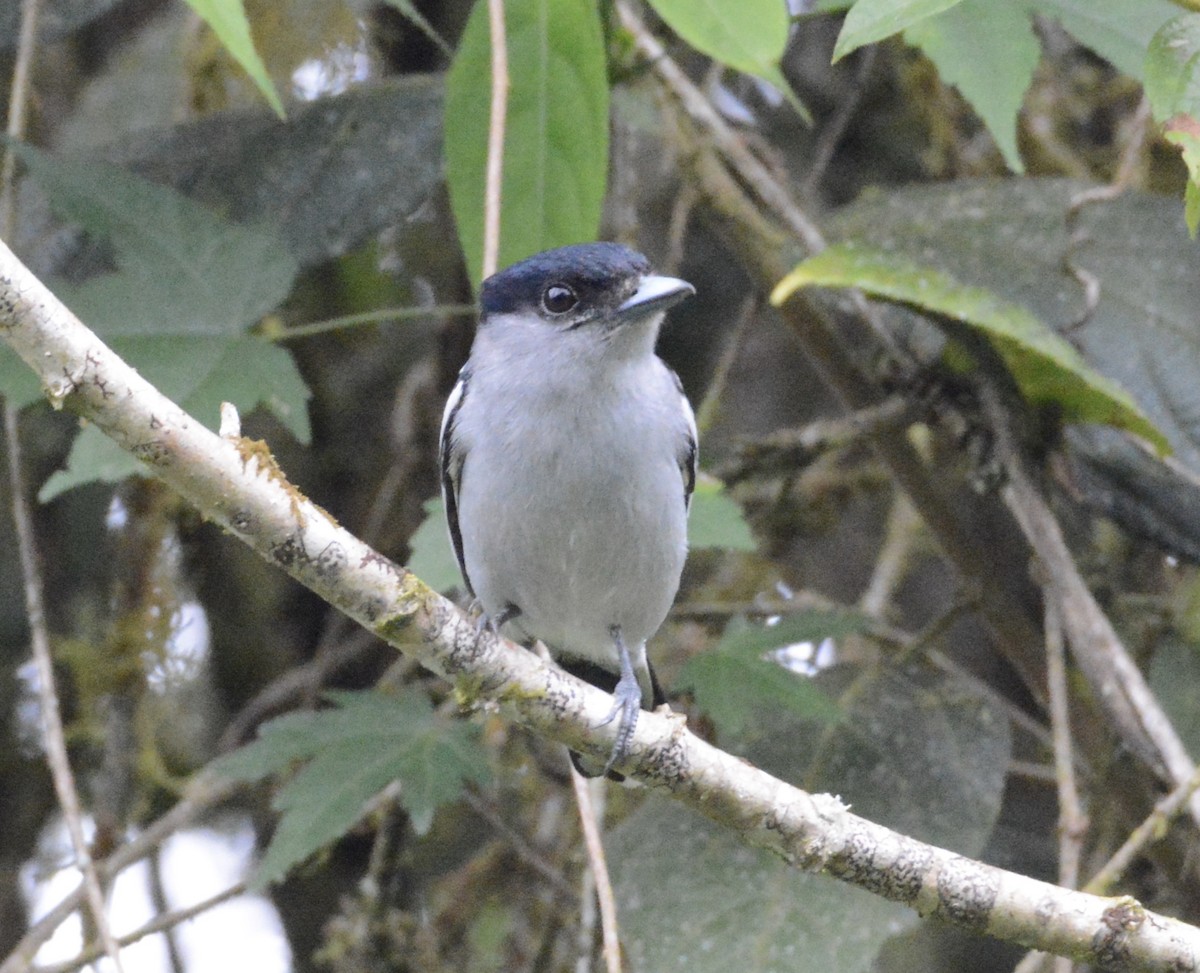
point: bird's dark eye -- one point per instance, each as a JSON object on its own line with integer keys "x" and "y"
{"x": 559, "y": 298}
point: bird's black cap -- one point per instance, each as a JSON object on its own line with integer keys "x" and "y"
{"x": 600, "y": 273}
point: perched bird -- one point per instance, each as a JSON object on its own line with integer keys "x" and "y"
{"x": 568, "y": 455}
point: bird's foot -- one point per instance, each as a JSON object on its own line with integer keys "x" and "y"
{"x": 486, "y": 623}
{"x": 627, "y": 703}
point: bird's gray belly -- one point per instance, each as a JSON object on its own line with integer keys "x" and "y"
{"x": 579, "y": 546}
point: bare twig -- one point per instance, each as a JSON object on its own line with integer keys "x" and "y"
{"x": 589, "y": 812}
{"x": 1146, "y": 833}
{"x": 496, "y": 126}
{"x": 160, "y": 923}
{"x": 1072, "y": 822}
{"x": 892, "y": 565}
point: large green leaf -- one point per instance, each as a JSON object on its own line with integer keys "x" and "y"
{"x": 1012, "y": 237}
{"x": 349, "y": 754}
{"x": 1173, "y": 87}
{"x": 748, "y": 36}
{"x": 918, "y": 751}
{"x": 227, "y": 18}
{"x": 556, "y": 133}
{"x": 187, "y": 287}
{"x": 988, "y": 51}
{"x": 1047, "y": 368}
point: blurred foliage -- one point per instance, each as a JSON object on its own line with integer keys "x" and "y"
{"x": 229, "y": 254}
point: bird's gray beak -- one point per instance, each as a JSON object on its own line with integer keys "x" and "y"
{"x": 654, "y": 295}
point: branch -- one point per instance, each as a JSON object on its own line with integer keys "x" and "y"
{"x": 238, "y": 485}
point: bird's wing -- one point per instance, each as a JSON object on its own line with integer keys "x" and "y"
{"x": 453, "y": 454}
{"x": 689, "y": 448}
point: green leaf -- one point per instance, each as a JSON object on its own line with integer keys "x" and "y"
{"x": 187, "y": 287}
{"x": 349, "y": 754}
{"x": 1046, "y": 367}
{"x": 432, "y": 557}
{"x": 872, "y": 20}
{"x": 988, "y": 51}
{"x": 749, "y": 36}
{"x": 1173, "y": 68}
{"x": 740, "y": 685}
{"x": 1117, "y": 30}
{"x": 556, "y": 133}
{"x": 227, "y": 18}
{"x": 716, "y": 520}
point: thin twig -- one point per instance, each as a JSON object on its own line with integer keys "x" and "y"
{"x": 598, "y": 866}
{"x": 894, "y": 560}
{"x": 201, "y": 795}
{"x": 160, "y": 923}
{"x": 1072, "y": 822}
{"x": 496, "y": 126}
{"x": 52, "y": 728}
{"x": 1146, "y": 833}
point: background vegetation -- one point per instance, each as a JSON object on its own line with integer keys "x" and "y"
{"x": 1008, "y": 177}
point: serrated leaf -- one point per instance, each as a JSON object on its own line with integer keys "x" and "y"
{"x": 350, "y": 754}
{"x": 872, "y": 20}
{"x": 556, "y": 133}
{"x": 227, "y": 18}
{"x": 749, "y": 36}
{"x": 740, "y": 685}
{"x": 988, "y": 51}
{"x": 716, "y": 520}
{"x": 1047, "y": 369}
{"x": 1117, "y": 30}
{"x": 187, "y": 287}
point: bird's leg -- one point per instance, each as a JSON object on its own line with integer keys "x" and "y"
{"x": 487, "y": 623}
{"x": 626, "y": 704}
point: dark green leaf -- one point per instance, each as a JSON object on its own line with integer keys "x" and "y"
{"x": 556, "y": 133}
{"x": 351, "y": 753}
{"x": 1046, "y": 367}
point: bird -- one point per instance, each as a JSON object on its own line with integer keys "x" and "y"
{"x": 568, "y": 459}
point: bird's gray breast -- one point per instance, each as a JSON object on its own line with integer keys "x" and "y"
{"x": 572, "y": 509}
